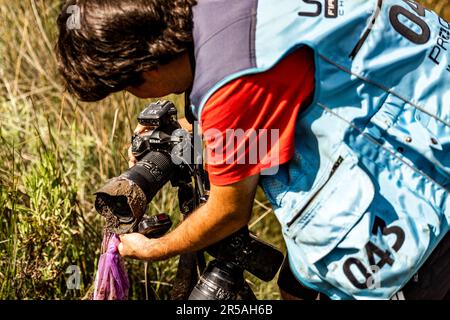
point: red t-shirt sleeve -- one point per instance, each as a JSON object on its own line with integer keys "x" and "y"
{"x": 248, "y": 125}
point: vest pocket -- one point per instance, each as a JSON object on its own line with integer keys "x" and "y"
{"x": 333, "y": 211}
{"x": 366, "y": 239}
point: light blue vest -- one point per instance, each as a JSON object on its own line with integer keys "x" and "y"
{"x": 364, "y": 200}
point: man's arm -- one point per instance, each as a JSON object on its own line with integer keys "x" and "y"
{"x": 228, "y": 209}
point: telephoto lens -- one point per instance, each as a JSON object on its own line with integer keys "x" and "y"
{"x": 123, "y": 200}
{"x": 151, "y": 173}
{"x": 220, "y": 281}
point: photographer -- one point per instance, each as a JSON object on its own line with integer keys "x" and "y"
{"x": 356, "y": 165}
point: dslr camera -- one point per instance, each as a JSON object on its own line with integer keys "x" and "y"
{"x": 164, "y": 153}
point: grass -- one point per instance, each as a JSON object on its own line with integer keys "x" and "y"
{"x": 55, "y": 153}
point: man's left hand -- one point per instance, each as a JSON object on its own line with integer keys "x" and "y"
{"x": 134, "y": 245}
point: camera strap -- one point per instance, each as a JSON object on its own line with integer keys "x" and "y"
{"x": 189, "y": 115}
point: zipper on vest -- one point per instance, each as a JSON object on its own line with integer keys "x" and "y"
{"x": 336, "y": 165}
{"x": 363, "y": 39}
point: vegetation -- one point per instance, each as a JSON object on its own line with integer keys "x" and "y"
{"x": 55, "y": 153}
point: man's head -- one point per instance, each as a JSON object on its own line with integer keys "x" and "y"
{"x": 136, "y": 45}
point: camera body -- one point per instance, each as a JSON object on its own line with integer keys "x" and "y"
{"x": 161, "y": 119}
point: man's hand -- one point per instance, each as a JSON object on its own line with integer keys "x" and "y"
{"x": 228, "y": 209}
{"x": 140, "y": 129}
{"x": 133, "y": 245}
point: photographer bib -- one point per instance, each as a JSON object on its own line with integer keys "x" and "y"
{"x": 364, "y": 200}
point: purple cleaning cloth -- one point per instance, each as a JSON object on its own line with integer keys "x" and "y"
{"x": 111, "y": 281}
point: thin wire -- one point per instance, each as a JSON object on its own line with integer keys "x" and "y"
{"x": 145, "y": 279}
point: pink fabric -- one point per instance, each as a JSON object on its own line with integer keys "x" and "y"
{"x": 111, "y": 281}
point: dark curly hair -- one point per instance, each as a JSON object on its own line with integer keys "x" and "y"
{"x": 119, "y": 39}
